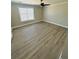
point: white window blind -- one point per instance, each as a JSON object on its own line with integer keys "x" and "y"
{"x": 26, "y": 14}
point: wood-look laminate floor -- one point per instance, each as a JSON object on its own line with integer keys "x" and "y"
{"x": 38, "y": 41}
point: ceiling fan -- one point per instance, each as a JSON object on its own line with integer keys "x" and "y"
{"x": 43, "y": 4}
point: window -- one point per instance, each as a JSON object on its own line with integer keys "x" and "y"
{"x": 26, "y": 14}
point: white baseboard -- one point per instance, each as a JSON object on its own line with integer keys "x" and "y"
{"x": 38, "y": 21}
{"x": 25, "y": 24}
{"x": 55, "y": 23}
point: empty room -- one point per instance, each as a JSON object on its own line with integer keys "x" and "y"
{"x": 39, "y": 29}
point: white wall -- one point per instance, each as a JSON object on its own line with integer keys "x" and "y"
{"x": 57, "y": 13}
{"x": 15, "y": 17}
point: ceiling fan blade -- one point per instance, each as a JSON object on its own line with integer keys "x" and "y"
{"x": 41, "y": 0}
{"x": 46, "y": 4}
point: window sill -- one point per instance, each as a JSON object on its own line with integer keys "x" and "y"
{"x": 27, "y": 20}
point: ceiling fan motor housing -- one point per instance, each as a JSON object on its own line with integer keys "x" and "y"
{"x": 42, "y": 4}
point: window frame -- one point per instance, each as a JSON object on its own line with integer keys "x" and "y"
{"x": 20, "y": 16}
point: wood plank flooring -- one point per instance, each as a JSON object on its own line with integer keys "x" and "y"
{"x": 38, "y": 41}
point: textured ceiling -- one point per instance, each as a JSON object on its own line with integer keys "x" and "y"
{"x": 38, "y": 1}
